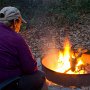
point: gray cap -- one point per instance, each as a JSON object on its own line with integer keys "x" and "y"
{"x": 10, "y": 13}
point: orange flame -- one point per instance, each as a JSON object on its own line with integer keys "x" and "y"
{"x": 64, "y": 60}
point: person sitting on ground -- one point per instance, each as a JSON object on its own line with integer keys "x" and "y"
{"x": 16, "y": 58}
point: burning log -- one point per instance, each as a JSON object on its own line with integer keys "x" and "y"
{"x": 73, "y": 61}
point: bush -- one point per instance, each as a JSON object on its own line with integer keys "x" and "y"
{"x": 57, "y": 11}
{"x": 70, "y": 9}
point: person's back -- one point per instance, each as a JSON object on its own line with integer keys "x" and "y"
{"x": 15, "y": 56}
{"x": 9, "y": 60}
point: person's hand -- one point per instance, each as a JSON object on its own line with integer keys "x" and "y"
{"x": 87, "y": 68}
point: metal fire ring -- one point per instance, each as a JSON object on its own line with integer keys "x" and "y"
{"x": 67, "y": 80}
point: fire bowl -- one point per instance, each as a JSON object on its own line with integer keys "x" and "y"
{"x": 63, "y": 79}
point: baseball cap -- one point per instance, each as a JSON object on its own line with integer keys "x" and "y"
{"x": 10, "y": 13}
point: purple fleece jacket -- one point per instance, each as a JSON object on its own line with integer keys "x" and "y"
{"x": 15, "y": 56}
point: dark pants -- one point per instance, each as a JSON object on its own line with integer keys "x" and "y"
{"x": 32, "y": 82}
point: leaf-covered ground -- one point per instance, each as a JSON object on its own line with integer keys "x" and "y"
{"x": 46, "y": 38}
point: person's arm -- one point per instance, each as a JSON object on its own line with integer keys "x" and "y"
{"x": 27, "y": 63}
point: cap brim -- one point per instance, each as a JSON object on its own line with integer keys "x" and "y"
{"x": 23, "y": 21}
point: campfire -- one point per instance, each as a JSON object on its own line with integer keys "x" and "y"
{"x": 68, "y": 66}
{"x": 69, "y": 61}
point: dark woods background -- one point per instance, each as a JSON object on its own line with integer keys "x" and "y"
{"x": 50, "y": 12}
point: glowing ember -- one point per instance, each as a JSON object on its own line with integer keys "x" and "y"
{"x": 68, "y": 61}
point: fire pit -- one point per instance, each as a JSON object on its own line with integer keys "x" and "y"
{"x": 67, "y": 71}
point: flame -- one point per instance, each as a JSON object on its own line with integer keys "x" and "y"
{"x": 63, "y": 64}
